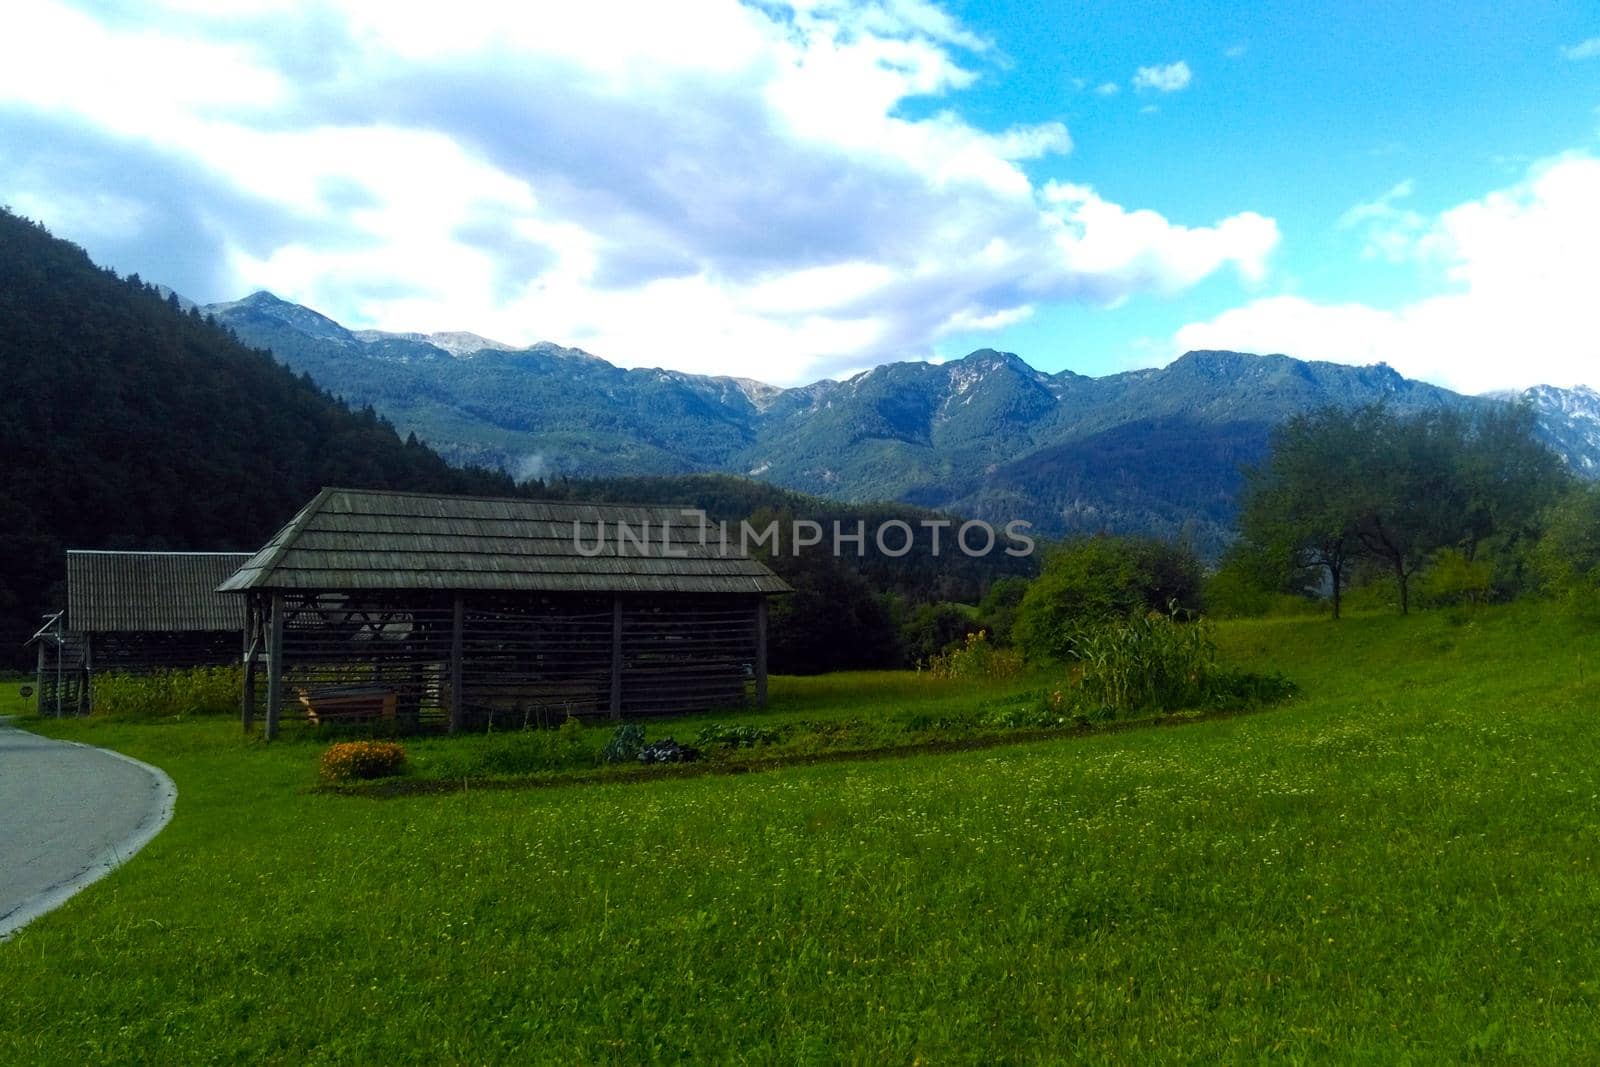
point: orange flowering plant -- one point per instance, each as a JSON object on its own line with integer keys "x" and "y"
{"x": 349, "y": 760}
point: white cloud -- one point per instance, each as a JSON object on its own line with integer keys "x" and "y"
{"x": 1583, "y": 49}
{"x": 1516, "y": 307}
{"x": 1390, "y": 231}
{"x": 1108, "y": 88}
{"x": 710, "y": 185}
{"x": 1123, "y": 251}
{"x": 1237, "y": 51}
{"x": 1167, "y": 79}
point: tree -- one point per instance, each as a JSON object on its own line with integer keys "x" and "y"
{"x": 1567, "y": 556}
{"x": 997, "y": 611}
{"x": 1300, "y": 506}
{"x": 932, "y": 628}
{"x": 1397, "y": 490}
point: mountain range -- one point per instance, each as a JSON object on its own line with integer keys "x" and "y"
{"x": 1156, "y": 451}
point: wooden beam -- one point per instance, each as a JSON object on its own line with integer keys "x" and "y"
{"x": 86, "y": 674}
{"x": 761, "y": 652}
{"x": 252, "y": 643}
{"x": 38, "y": 688}
{"x": 616, "y": 655}
{"x": 274, "y": 664}
{"x": 458, "y": 626}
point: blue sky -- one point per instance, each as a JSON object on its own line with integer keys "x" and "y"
{"x": 790, "y": 191}
{"x": 1297, "y": 114}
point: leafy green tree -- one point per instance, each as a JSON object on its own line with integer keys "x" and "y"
{"x": 1342, "y": 485}
{"x": 932, "y": 628}
{"x": 833, "y": 621}
{"x": 1567, "y": 557}
{"x": 1301, "y": 505}
{"x": 1088, "y": 582}
{"x": 997, "y": 611}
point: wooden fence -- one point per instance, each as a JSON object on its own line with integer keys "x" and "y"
{"x": 416, "y": 660}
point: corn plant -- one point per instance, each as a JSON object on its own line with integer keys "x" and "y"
{"x": 1146, "y": 662}
{"x": 168, "y": 694}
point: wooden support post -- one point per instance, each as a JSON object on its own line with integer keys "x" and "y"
{"x": 86, "y": 675}
{"x": 274, "y": 664}
{"x": 616, "y": 655}
{"x": 761, "y": 652}
{"x": 61, "y": 648}
{"x": 252, "y": 642}
{"x": 458, "y": 710}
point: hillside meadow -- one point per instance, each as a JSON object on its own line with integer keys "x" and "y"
{"x": 1403, "y": 863}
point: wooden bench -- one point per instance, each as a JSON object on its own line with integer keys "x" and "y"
{"x": 347, "y": 703}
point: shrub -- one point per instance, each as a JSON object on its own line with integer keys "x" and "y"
{"x": 1092, "y": 581}
{"x": 624, "y": 745}
{"x": 168, "y": 694}
{"x": 1253, "y": 584}
{"x": 997, "y": 612}
{"x": 1453, "y": 579}
{"x": 933, "y": 628}
{"x": 976, "y": 659}
{"x": 348, "y": 761}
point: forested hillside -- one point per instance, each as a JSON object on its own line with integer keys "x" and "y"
{"x": 126, "y": 422}
{"x": 130, "y": 420}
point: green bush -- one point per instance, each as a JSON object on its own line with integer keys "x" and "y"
{"x": 933, "y": 628}
{"x": 348, "y": 761}
{"x": 997, "y": 611}
{"x": 1244, "y": 588}
{"x": 1090, "y": 582}
{"x": 168, "y": 694}
{"x": 1453, "y": 579}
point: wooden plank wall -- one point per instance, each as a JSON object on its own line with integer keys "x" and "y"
{"x": 523, "y": 660}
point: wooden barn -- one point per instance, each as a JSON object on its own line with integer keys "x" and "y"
{"x": 470, "y": 611}
{"x": 137, "y": 612}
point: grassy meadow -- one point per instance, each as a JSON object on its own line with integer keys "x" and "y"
{"x": 1401, "y": 864}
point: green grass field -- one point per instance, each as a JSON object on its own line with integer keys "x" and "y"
{"x": 1401, "y": 864}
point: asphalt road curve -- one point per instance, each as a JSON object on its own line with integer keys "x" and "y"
{"x": 69, "y": 814}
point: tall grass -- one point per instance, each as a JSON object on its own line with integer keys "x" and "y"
{"x": 976, "y": 659}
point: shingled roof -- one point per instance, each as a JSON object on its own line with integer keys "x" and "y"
{"x": 359, "y": 539}
{"x": 168, "y": 592}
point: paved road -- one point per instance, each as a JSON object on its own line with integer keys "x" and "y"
{"x": 69, "y": 814}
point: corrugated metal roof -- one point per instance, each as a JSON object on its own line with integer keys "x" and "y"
{"x": 169, "y": 592}
{"x": 348, "y": 539}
